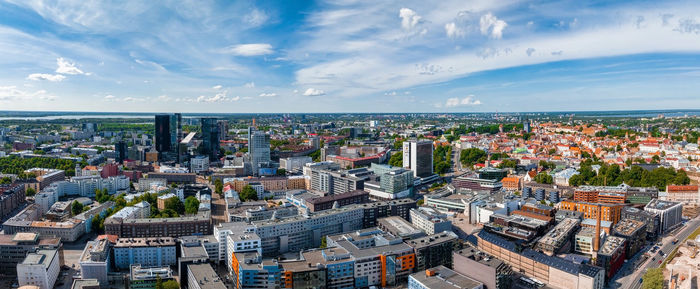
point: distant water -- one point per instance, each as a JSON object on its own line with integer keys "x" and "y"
{"x": 55, "y": 117}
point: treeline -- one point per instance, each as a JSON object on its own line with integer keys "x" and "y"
{"x": 145, "y": 127}
{"x": 490, "y": 129}
{"x": 442, "y": 156}
{"x": 636, "y": 176}
{"x": 17, "y": 165}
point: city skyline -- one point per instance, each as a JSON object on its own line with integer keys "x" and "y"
{"x": 349, "y": 56}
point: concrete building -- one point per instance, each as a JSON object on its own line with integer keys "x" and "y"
{"x": 611, "y": 255}
{"x": 258, "y": 149}
{"x": 11, "y": 197}
{"x": 85, "y": 284}
{"x": 199, "y": 224}
{"x": 434, "y": 250}
{"x": 418, "y": 157}
{"x": 95, "y": 261}
{"x": 317, "y": 204}
{"x": 207, "y": 244}
{"x": 634, "y": 231}
{"x": 294, "y": 163}
{"x": 147, "y": 277}
{"x": 148, "y": 252}
{"x": 441, "y": 277}
{"x": 39, "y": 269}
{"x": 399, "y": 227}
{"x": 14, "y": 248}
{"x": 475, "y": 264}
{"x": 670, "y": 213}
{"x": 334, "y": 182}
{"x": 652, "y": 220}
{"x": 202, "y": 276}
{"x": 688, "y": 195}
{"x": 557, "y": 239}
{"x": 429, "y": 220}
{"x": 199, "y": 164}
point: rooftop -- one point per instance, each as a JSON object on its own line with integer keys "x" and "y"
{"x": 144, "y": 242}
{"x": 41, "y": 257}
{"x": 611, "y": 244}
{"x": 139, "y": 273}
{"x": 560, "y": 232}
{"x": 657, "y": 204}
{"x": 481, "y": 257}
{"x": 85, "y": 283}
{"x": 205, "y": 276}
{"x": 432, "y": 240}
{"x": 441, "y": 277}
{"x": 627, "y": 227}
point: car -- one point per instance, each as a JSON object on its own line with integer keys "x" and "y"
{"x": 640, "y": 280}
{"x": 659, "y": 261}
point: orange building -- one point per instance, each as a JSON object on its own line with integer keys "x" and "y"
{"x": 594, "y": 196}
{"x": 511, "y": 183}
{"x": 609, "y": 212}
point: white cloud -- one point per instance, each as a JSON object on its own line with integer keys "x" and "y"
{"x": 314, "y": 92}
{"x": 467, "y": 101}
{"x": 12, "y": 93}
{"x": 409, "y": 18}
{"x": 253, "y": 49}
{"x": 530, "y": 51}
{"x": 130, "y": 99}
{"x": 44, "y": 76}
{"x": 250, "y": 85}
{"x": 216, "y": 87}
{"x": 453, "y": 31}
{"x": 109, "y": 97}
{"x": 491, "y": 26}
{"x": 392, "y": 93}
{"x": 268, "y": 94}
{"x": 256, "y": 17}
{"x": 67, "y": 67}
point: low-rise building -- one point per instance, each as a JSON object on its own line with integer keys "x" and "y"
{"x": 202, "y": 276}
{"x": 399, "y": 227}
{"x": 441, "y": 277}
{"x": 475, "y": 264}
{"x": 147, "y": 277}
{"x": 429, "y": 220}
{"x": 557, "y": 239}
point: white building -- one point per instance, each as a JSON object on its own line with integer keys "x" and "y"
{"x": 670, "y": 213}
{"x": 294, "y": 163}
{"x": 199, "y": 164}
{"x": 94, "y": 262}
{"x": 39, "y": 269}
{"x": 429, "y": 220}
{"x": 239, "y": 242}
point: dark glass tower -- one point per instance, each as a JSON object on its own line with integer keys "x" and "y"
{"x": 121, "y": 149}
{"x": 210, "y": 137}
{"x": 163, "y": 137}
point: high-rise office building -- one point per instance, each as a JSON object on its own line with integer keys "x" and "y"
{"x": 210, "y": 137}
{"x": 168, "y": 135}
{"x": 121, "y": 149}
{"x": 258, "y": 148}
{"x": 418, "y": 157}
{"x": 223, "y": 129}
{"x": 526, "y": 125}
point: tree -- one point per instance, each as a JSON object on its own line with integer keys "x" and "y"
{"x": 396, "y": 159}
{"x": 5, "y": 181}
{"x": 159, "y": 282}
{"x": 576, "y": 180}
{"x": 420, "y": 202}
{"x": 171, "y": 284}
{"x": 175, "y": 205}
{"x": 30, "y": 192}
{"x": 191, "y": 205}
{"x": 544, "y": 178}
{"x": 248, "y": 194}
{"x": 472, "y": 156}
{"x": 281, "y": 172}
{"x": 653, "y": 279}
{"x": 219, "y": 186}
{"x": 507, "y": 163}
{"x": 324, "y": 244}
{"x": 76, "y": 208}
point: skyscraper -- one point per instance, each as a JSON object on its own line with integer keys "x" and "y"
{"x": 168, "y": 135}
{"x": 121, "y": 149}
{"x": 418, "y": 157}
{"x": 258, "y": 148}
{"x": 210, "y": 137}
{"x": 526, "y": 125}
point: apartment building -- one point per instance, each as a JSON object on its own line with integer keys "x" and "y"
{"x": 148, "y": 252}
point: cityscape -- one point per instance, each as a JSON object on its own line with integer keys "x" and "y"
{"x": 337, "y": 144}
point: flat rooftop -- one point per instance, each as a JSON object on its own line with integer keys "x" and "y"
{"x": 205, "y": 276}
{"x": 627, "y": 227}
{"x": 479, "y": 256}
{"x": 432, "y": 240}
{"x": 441, "y": 277}
{"x": 145, "y": 242}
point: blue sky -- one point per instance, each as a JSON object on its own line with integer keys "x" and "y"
{"x": 349, "y": 56}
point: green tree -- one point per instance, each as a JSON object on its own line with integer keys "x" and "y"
{"x": 5, "y": 181}
{"x": 653, "y": 279}
{"x": 507, "y": 163}
{"x": 248, "y": 194}
{"x": 191, "y": 205}
{"x": 219, "y": 186}
{"x": 171, "y": 284}
{"x": 396, "y": 159}
{"x": 159, "y": 282}
{"x": 544, "y": 178}
{"x": 175, "y": 205}
{"x": 76, "y": 208}
{"x": 472, "y": 156}
{"x": 420, "y": 202}
{"x": 30, "y": 192}
{"x": 324, "y": 243}
{"x": 281, "y": 172}
{"x": 576, "y": 180}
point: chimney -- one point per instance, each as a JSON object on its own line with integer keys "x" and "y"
{"x": 596, "y": 238}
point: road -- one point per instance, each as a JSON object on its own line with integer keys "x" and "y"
{"x": 653, "y": 262}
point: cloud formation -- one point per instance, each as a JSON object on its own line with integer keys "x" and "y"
{"x": 47, "y": 77}
{"x": 466, "y": 101}
{"x": 67, "y": 67}
{"x": 254, "y": 49}
{"x": 314, "y": 92}
{"x": 491, "y": 26}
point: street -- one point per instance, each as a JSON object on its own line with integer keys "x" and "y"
{"x": 632, "y": 281}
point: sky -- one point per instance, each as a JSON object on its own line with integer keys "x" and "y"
{"x": 349, "y": 56}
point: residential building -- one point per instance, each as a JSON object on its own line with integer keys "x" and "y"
{"x": 202, "y": 276}
{"x": 11, "y": 197}
{"x": 512, "y": 183}
{"x": 39, "y": 269}
{"x": 434, "y": 250}
{"x": 418, "y": 157}
{"x": 147, "y": 252}
{"x": 441, "y": 277}
{"x": 609, "y": 212}
{"x": 199, "y": 224}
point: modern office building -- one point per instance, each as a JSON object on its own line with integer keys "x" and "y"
{"x": 199, "y": 224}
{"x": 147, "y": 252}
{"x": 441, "y": 277}
{"x": 475, "y": 264}
{"x": 399, "y": 227}
{"x": 121, "y": 150}
{"x": 334, "y": 182}
{"x": 141, "y": 277}
{"x": 258, "y": 149}
{"x": 430, "y": 220}
{"x": 39, "y": 269}
{"x": 199, "y": 164}
{"x": 317, "y": 204}
{"x": 634, "y": 231}
{"x": 210, "y": 137}
{"x": 95, "y": 261}
{"x": 434, "y": 250}
{"x": 609, "y": 212}
{"x": 554, "y": 241}
{"x": 652, "y": 220}
{"x": 670, "y": 213}
{"x": 418, "y": 157}
{"x": 611, "y": 255}
{"x": 168, "y": 133}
